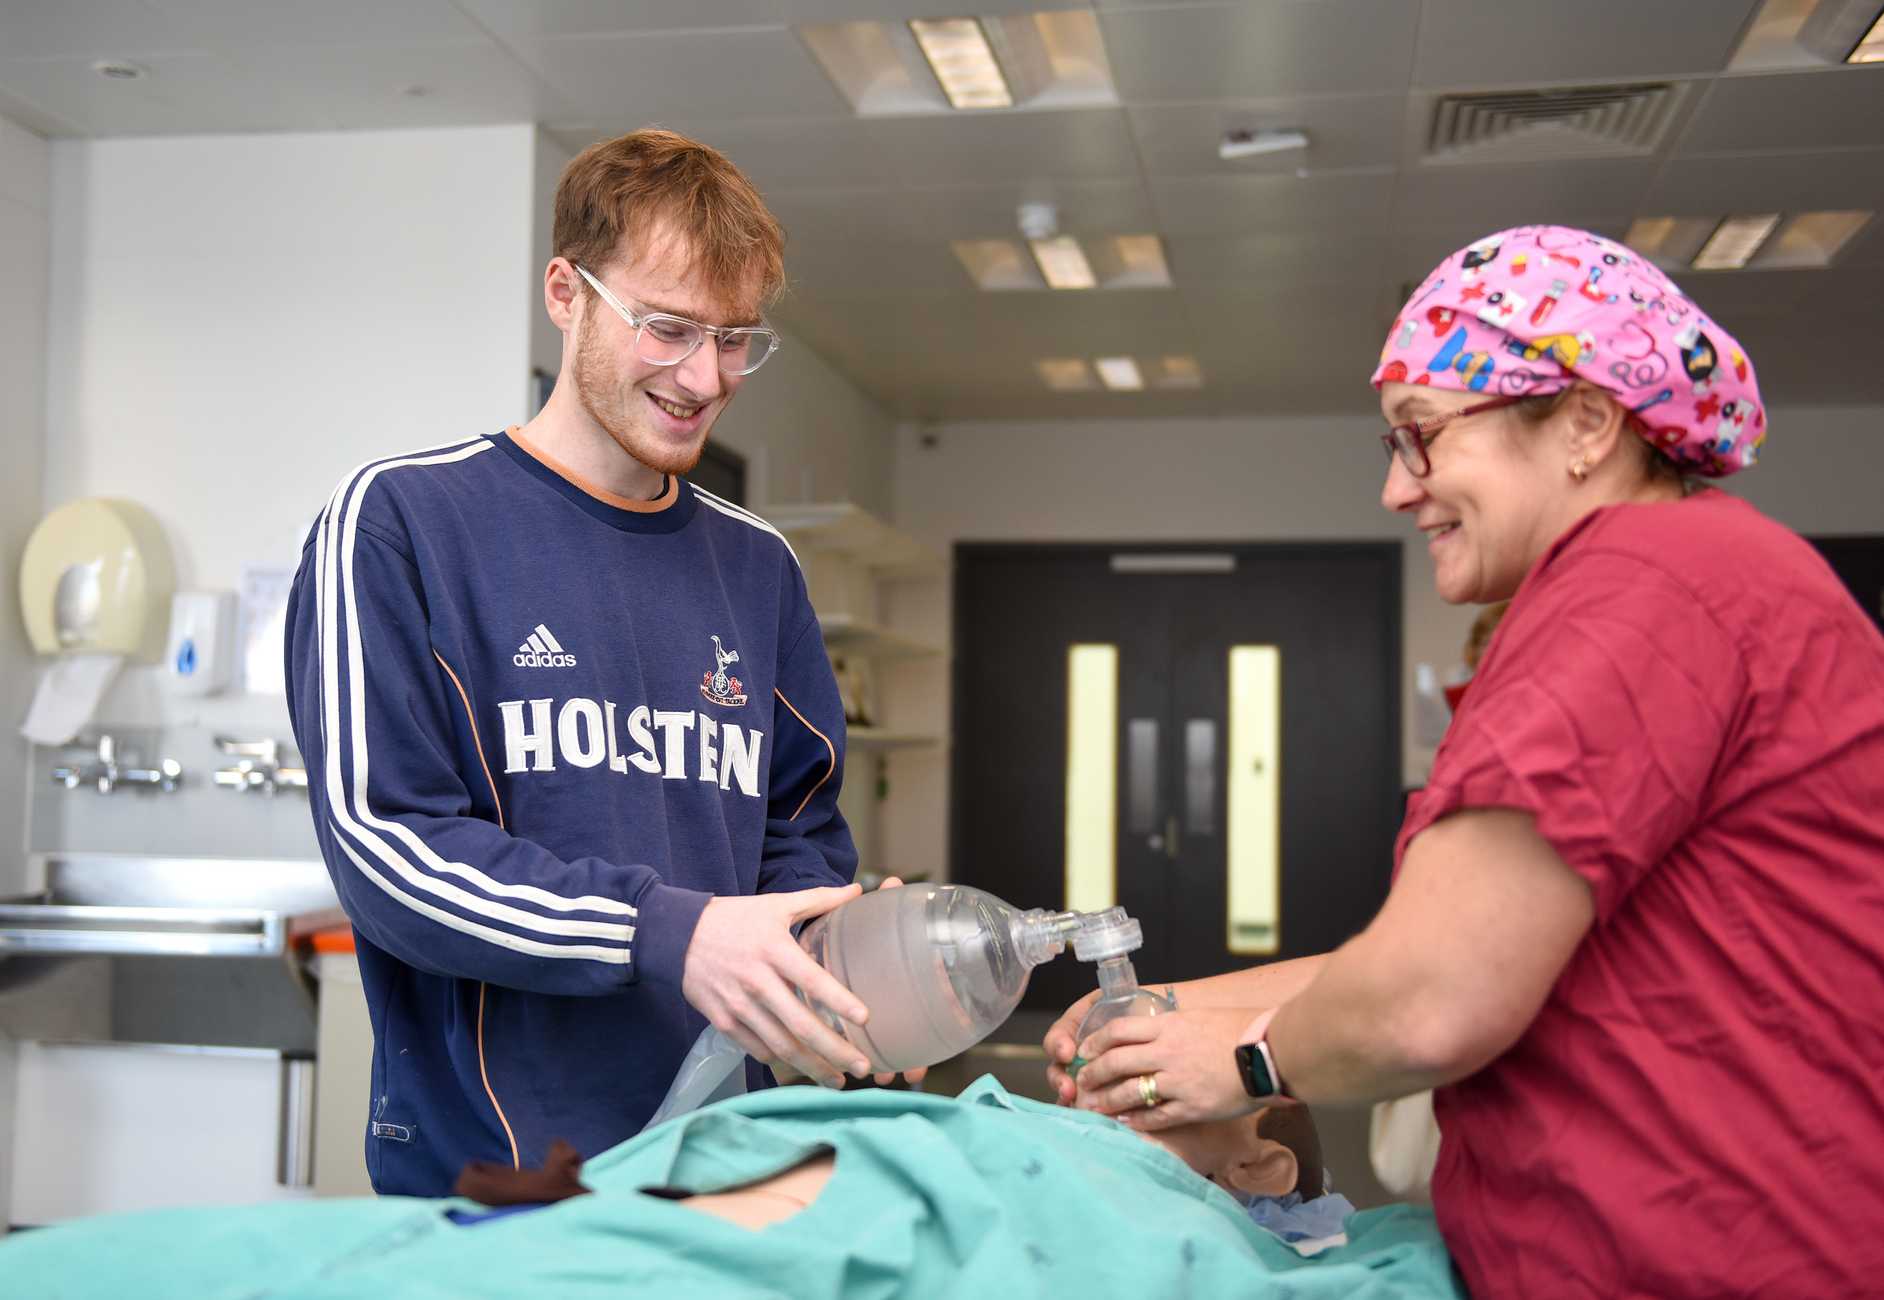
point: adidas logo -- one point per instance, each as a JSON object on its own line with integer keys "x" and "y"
{"x": 541, "y": 650}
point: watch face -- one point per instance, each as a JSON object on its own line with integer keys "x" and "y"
{"x": 1258, "y": 1079}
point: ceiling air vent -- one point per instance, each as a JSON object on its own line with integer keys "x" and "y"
{"x": 1535, "y": 125}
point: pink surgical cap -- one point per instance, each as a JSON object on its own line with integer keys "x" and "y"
{"x": 1531, "y": 309}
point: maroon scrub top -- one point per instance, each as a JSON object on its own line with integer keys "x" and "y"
{"x": 1692, "y": 708}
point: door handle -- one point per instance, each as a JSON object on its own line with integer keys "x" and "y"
{"x": 1171, "y": 836}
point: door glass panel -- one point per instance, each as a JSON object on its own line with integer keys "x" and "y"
{"x": 1255, "y": 761}
{"x": 1200, "y": 776}
{"x": 1092, "y": 776}
{"x": 1141, "y": 765}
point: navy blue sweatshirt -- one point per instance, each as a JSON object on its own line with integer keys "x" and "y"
{"x": 543, "y": 726}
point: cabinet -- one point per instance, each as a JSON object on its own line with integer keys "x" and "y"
{"x": 860, "y": 572}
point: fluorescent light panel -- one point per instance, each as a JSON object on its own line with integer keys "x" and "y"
{"x": 997, "y": 265}
{"x": 1734, "y": 242}
{"x": 1670, "y": 242}
{"x": 1050, "y": 60}
{"x": 1808, "y": 239}
{"x": 1179, "y": 372}
{"x": 1120, "y": 374}
{"x": 963, "y": 62}
{"x": 1063, "y": 263}
{"x": 1066, "y": 374}
{"x": 1759, "y": 242}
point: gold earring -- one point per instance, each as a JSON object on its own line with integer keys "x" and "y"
{"x": 1579, "y": 469}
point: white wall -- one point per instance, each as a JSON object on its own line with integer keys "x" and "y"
{"x": 1306, "y": 478}
{"x": 242, "y": 319}
{"x": 25, "y": 235}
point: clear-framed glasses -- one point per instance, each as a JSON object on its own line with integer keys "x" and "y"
{"x": 1411, "y": 440}
{"x": 664, "y": 340}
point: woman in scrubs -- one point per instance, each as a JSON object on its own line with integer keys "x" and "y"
{"x": 1636, "y": 933}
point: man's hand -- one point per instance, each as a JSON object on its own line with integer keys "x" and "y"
{"x": 743, "y": 971}
{"x": 1190, "y": 1056}
{"x": 1061, "y": 1047}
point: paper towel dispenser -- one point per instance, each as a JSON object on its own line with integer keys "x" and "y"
{"x": 96, "y": 578}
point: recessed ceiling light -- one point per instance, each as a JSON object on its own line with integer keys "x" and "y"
{"x": 1120, "y": 374}
{"x": 1179, "y": 372}
{"x": 964, "y": 64}
{"x": 119, "y": 69}
{"x": 1811, "y": 239}
{"x": 1055, "y": 59}
{"x": 1131, "y": 262}
{"x": 1734, "y": 242}
{"x": 1670, "y": 242}
{"x": 997, "y": 265}
{"x": 1063, "y": 263}
{"x": 1066, "y": 374}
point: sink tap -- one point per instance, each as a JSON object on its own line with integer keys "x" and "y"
{"x": 260, "y": 767}
{"x": 112, "y": 770}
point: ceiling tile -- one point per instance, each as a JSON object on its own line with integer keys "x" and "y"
{"x": 1084, "y": 207}
{"x": 1824, "y": 109}
{"x": 90, "y": 29}
{"x": 1354, "y": 204}
{"x": 393, "y": 84}
{"x": 229, "y": 24}
{"x": 975, "y": 148}
{"x": 757, "y": 71}
{"x": 1343, "y": 131}
{"x": 182, "y": 94}
{"x": 1493, "y": 42}
{"x": 1299, "y": 258}
{"x": 1784, "y": 182}
{"x": 849, "y": 269}
{"x": 1730, "y": 297}
{"x": 595, "y": 17}
{"x": 786, "y": 153}
{"x": 1572, "y": 192}
{"x": 1259, "y": 49}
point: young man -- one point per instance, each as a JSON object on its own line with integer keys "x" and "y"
{"x": 574, "y": 742}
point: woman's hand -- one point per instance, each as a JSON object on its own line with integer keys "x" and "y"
{"x": 1189, "y": 1056}
{"x": 1060, "y": 1047}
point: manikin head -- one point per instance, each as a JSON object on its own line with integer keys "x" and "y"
{"x": 1270, "y": 1153}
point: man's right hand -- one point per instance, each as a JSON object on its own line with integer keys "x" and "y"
{"x": 743, "y": 971}
{"x": 1060, "y": 1044}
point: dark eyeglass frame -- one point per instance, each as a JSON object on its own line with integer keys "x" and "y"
{"x": 1411, "y": 440}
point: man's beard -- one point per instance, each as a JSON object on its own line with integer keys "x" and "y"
{"x": 617, "y": 415}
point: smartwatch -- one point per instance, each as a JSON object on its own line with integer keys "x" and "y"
{"x": 1256, "y": 1064}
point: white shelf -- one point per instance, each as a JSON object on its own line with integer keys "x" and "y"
{"x": 844, "y": 529}
{"x": 878, "y": 738}
{"x": 852, "y": 636}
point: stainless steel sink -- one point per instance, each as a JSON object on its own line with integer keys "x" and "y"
{"x": 205, "y": 907}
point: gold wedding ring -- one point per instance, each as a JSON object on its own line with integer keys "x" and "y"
{"x": 1148, "y": 1090}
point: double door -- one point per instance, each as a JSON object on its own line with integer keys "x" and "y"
{"x": 1207, "y": 736}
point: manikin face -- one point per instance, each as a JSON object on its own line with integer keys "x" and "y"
{"x": 660, "y": 415}
{"x": 1494, "y": 500}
